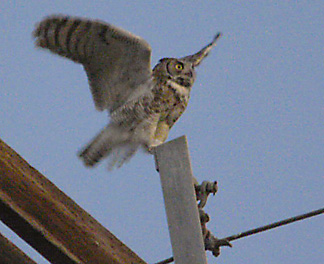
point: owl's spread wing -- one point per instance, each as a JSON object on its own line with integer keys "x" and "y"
{"x": 116, "y": 61}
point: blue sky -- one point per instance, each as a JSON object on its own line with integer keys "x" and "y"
{"x": 254, "y": 122}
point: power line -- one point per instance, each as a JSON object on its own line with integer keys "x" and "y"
{"x": 274, "y": 225}
{"x": 262, "y": 229}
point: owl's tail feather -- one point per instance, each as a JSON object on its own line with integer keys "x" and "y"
{"x": 111, "y": 138}
{"x": 121, "y": 155}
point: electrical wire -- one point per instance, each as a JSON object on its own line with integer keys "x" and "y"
{"x": 262, "y": 229}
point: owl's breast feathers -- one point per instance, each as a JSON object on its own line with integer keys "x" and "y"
{"x": 170, "y": 100}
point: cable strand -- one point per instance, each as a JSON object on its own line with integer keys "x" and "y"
{"x": 262, "y": 229}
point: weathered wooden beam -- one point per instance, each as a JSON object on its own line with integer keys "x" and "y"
{"x": 10, "y": 254}
{"x": 173, "y": 162}
{"x": 50, "y": 221}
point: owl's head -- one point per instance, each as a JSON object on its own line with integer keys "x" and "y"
{"x": 182, "y": 70}
{"x": 178, "y": 70}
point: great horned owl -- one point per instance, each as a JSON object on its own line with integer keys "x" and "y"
{"x": 143, "y": 104}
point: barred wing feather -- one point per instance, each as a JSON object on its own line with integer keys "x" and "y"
{"x": 116, "y": 61}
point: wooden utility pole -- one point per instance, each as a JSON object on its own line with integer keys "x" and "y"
{"x": 50, "y": 221}
{"x": 10, "y": 254}
{"x": 173, "y": 163}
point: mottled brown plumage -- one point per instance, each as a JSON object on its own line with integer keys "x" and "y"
{"x": 143, "y": 104}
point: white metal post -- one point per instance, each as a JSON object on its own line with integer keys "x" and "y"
{"x": 173, "y": 162}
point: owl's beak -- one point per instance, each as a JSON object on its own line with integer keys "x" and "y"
{"x": 197, "y": 58}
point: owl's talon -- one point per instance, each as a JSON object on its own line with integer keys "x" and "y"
{"x": 151, "y": 150}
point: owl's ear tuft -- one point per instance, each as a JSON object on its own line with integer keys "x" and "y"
{"x": 198, "y": 57}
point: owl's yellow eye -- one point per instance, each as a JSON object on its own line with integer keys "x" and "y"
{"x": 179, "y": 66}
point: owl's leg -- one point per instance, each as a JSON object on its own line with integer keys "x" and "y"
{"x": 162, "y": 132}
{"x": 160, "y": 135}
